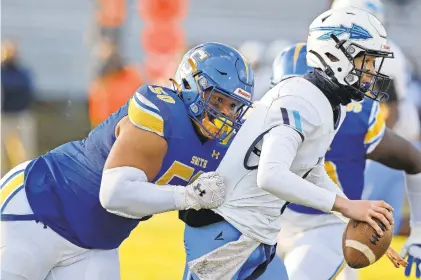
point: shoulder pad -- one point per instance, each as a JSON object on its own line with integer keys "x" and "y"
{"x": 305, "y": 93}
{"x": 295, "y": 112}
{"x": 153, "y": 108}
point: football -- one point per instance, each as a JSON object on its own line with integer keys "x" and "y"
{"x": 362, "y": 246}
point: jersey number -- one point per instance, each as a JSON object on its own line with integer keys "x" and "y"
{"x": 161, "y": 94}
{"x": 330, "y": 168}
{"x": 178, "y": 170}
{"x": 354, "y": 107}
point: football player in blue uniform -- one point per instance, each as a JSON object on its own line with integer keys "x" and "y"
{"x": 65, "y": 213}
{"x": 310, "y": 241}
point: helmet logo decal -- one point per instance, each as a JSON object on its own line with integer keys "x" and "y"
{"x": 197, "y": 55}
{"x": 355, "y": 32}
{"x": 243, "y": 94}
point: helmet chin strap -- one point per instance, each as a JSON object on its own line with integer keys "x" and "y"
{"x": 328, "y": 70}
{"x": 176, "y": 85}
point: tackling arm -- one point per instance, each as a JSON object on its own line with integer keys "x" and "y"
{"x": 134, "y": 160}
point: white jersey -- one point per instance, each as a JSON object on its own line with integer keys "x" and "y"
{"x": 295, "y": 103}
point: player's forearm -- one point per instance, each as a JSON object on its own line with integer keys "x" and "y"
{"x": 324, "y": 181}
{"x": 126, "y": 192}
{"x": 398, "y": 153}
{"x": 274, "y": 176}
{"x": 319, "y": 177}
{"x": 288, "y": 186}
{"x": 340, "y": 205}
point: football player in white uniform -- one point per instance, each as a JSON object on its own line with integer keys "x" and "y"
{"x": 278, "y": 155}
{"x": 382, "y": 182}
{"x": 310, "y": 241}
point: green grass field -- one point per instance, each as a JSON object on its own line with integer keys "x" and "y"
{"x": 155, "y": 251}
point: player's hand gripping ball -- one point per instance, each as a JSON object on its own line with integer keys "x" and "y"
{"x": 362, "y": 246}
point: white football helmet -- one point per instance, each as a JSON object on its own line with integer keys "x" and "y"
{"x": 375, "y": 7}
{"x": 337, "y": 36}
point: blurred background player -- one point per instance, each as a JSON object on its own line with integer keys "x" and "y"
{"x": 18, "y": 137}
{"x": 310, "y": 243}
{"x": 81, "y": 200}
{"x": 114, "y": 85}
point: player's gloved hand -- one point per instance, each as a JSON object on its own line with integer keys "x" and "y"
{"x": 206, "y": 192}
{"x": 412, "y": 250}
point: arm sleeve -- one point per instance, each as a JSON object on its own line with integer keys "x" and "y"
{"x": 125, "y": 191}
{"x": 279, "y": 149}
{"x": 320, "y": 178}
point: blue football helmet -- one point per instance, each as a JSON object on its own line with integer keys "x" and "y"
{"x": 214, "y": 68}
{"x": 290, "y": 62}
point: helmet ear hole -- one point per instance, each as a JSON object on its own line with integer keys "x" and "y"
{"x": 331, "y": 57}
{"x": 186, "y": 84}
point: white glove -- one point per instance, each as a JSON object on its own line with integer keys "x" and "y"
{"x": 206, "y": 192}
{"x": 412, "y": 250}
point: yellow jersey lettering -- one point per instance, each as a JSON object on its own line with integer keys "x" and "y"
{"x": 166, "y": 98}
{"x": 176, "y": 170}
{"x": 199, "y": 161}
{"x": 194, "y": 160}
{"x": 161, "y": 94}
{"x": 355, "y": 107}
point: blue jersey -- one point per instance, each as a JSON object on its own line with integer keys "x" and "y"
{"x": 63, "y": 185}
{"x": 361, "y": 131}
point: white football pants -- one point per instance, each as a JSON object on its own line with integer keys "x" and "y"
{"x": 311, "y": 245}
{"x": 29, "y": 251}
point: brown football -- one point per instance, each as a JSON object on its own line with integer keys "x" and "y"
{"x": 362, "y": 246}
